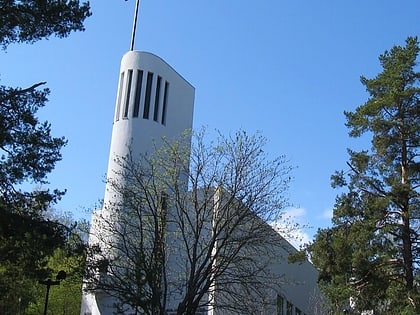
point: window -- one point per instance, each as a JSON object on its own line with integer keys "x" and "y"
{"x": 298, "y": 311}
{"x": 157, "y": 96}
{"x": 147, "y": 96}
{"x": 137, "y": 96}
{"x": 128, "y": 91}
{"x": 289, "y": 308}
{"x": 165, "y": 101}
{"x": 280, "y": 305}
{"x": 117, "y": 113}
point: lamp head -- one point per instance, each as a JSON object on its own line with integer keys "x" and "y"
{"x": 61, "y": 275}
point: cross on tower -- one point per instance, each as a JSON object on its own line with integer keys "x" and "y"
{"x": 133, "y": 32}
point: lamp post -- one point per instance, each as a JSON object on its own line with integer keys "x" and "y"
{"x": 60, "y": 276}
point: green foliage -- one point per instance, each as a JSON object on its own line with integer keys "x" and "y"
{"x": 33, "y": 254}
{"x": 66, "y": 297}
{"x": 17, "y": 290}
{"x": 370, "y": 255}
{"x": 28, "y": 152}
{"x": 26, "y": 21}
{"x": 27, "y": 240}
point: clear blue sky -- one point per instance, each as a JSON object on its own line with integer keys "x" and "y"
{"x": 286, "y": 68}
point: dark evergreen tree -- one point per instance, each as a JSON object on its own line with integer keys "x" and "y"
{"x": 28, "y": 152}
{"x": 64, "y": 298}
{"x": 26, "y": 21}
{"x": 369, "y": 259}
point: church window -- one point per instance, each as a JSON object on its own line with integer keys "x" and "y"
{"x": 157, "y": 96}
{"x": 165, "y": 101}
{"x": 137, "y": 96}
{"x": 128, "y": 91}
{"x": 148, "y": 95}
{"x": 289, "y": 308}
{"x": 280, "y": 305}
{"x": 117, "y": 112}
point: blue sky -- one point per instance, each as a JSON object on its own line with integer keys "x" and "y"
{"x": 286, "y": 68}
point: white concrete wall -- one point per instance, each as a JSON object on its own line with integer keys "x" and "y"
{"x": 140, "y": 135}
{"x": 300, "y": 287}
{"x": 297, "y": 286}
{"x": 296, "y": 283}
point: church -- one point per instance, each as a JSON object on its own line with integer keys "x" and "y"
{"x": 154, "y": 102}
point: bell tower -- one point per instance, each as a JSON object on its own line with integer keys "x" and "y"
{"x": 153, "y": 102}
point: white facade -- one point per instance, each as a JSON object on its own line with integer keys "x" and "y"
{"x": 153, "y": 102}
{"x": 296, "y": 293}
{"x": 289, "y": 288}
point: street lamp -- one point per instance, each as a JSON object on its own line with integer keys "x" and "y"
{"x": 60, "y": 276}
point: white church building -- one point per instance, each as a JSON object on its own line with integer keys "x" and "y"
{"x": 154, "y": 102}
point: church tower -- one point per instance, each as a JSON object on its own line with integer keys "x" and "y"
{"x": 153, "y": 102}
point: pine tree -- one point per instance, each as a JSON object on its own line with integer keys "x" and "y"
{"x": 369, "y": 258}
{"x": 28, "y": 152}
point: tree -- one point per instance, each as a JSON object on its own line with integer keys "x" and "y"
{"x": 188, "y": 219}
{"x": 371, "y": 253}
{"x": 64, "y": 298}
{"x": 26, "y": 21}
{"x": 40, "y": 248}
{"x": 28, "y": 153}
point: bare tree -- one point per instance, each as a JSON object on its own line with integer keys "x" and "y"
{"x": 127, "y": 253}
{"x": 189, "y": 226}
